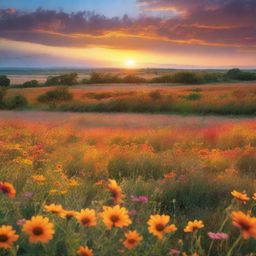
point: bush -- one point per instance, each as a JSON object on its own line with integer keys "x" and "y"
{"x": 2, "y": 94}
{"x": 99, "y": 78}
{"x": 187, "y": 77}
{"x": 66, "y": 79}
{"x": 194, "y": 96}
{"x": 58, "y": 94}
{"x": 133, "y": 79}
{"x": 4, "y": 81}
{"x": 17, "y": 101}
{"x": 30, "y": 84}
{"x": 238, "y": 74}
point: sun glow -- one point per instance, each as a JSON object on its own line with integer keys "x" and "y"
{"x": 130, "y": 63}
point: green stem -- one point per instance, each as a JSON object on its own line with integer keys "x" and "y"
{"x": 234, "y": 245}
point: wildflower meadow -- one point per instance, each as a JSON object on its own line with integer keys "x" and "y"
{"x": 131, "y": 192}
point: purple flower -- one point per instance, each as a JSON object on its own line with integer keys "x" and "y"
{"x": 218, "y": 236}
{"x": 28, "y": 195}
{"x": 174, "y": 252}
{"x": 21, "y": 222}
{"x": 139, "y": 198}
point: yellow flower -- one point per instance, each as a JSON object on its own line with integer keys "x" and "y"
{"x": 70, "y": 214}
{"x": 194, "y": 225}
{"x": 39, "y": 178}
{"x": 87, "y": 217}
{"x": 240, "y": 196}
{"x": 115, "y": 217}
{"x": 7, "y": 189}
{"x": 254, "y": 196}
{"x": 56, "y": 209}
{"x": 73, "y": 183}
{"x": 116, "y": 191}
{"x": 39, "y": 229}
{"x": 84, "y": 251}
{"x": 133, "y": 238}
{"x": 158, "y": 225}
{"x": 7, "y": 237}
{"x": 246, "y": 223}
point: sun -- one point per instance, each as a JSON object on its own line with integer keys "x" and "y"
{"x": 130, "y": 63}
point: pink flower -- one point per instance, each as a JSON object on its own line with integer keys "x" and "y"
{"x": 21, "y": 222}
{"x": 139, "y": 198}
{"x": 218, "y": 236}
{"x": 132, "y": 213}
{"x": 174, "y": 252}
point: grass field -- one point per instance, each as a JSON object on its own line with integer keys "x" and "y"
{"x": 183, "y": 171}
{"x": 223, "y": 99}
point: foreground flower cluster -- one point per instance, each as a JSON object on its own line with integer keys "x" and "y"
{"x": 40, "y": 229}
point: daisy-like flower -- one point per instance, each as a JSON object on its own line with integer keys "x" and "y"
{"x": 8, "y": 189}
{"x": 7, "y": 236}
{"x": 70, "y": 214}
{"x": 56, "y": 209}
{"x": 87, "y": 217}
{"x": 254, "y": 196}
{"x": 240, "y": 196}
{"x": 246, "y": 223}
{"x": 116, "y": 191}
{"x": 115, "y": 217}
{"x": 193, "y": 226}
{"x": 158, "y": 225}
{"x": 39, "y": 178}
{"x": 133, "y": 238}
{"x": 84, "y": 251}
{"x": 39, "y": 229}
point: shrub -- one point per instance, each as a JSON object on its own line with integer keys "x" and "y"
{"x": 4, "y": 81}
{"x": 66, "y": 79}
{"x": 98, "y": 78}
{"x": 194, "y": 96}
{"x": 187, "y": 77}
{"x": 238, "y": 74}
{"x": 17, "y": 101}
{"x": 2, "y": 94}
{"x": 58, "y": 94}
{"x": 133, "y": 79}
{"x": 31, "y": 83}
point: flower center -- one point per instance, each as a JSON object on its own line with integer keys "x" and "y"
{"x": 245, "y": 226}
{"x": 37, "y": 231}
{"x": 85, "y": 221}
{"x": 131, "y": 241}
{"x": 114, "y": 218}
{"x": 5, "y": 190}
{"x": 3, "y": 238}
{"x": 159, "y": 227}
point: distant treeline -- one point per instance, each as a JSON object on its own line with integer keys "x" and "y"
{"x": 182, "y": 77}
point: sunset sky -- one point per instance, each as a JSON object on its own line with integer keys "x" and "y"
{"x": 119, "y": 33}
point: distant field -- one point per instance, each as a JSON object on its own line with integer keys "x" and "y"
{"x": 234, "y": 99}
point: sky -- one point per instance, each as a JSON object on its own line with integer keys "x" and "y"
{"x": 128, "y": 33}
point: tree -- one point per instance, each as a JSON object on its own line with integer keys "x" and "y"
{"x": 4, "y": 81}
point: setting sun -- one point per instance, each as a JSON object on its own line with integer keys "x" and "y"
{"x": 130, "y": 63}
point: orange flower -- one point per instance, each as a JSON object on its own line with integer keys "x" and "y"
{"x": 240, "y": 196}
{"x": 70, "y": 214}
{"x": 116, "y": 191}
{"x": 84, "y": 251}
{"x": 39, "y": 178}
{"x": 7, "y": 189}
{"x": 170, "y": 175}
{"x": 158, "y": 225}
{"x": 87, "y": 217}
{"x": 115, "y": 217}
{"x": 193, "y": 226}
{"x": 56, "y": 209}
{"x": 7, "y": 237}
{"x": 246, "y": 223}
{"x": 254, "y": 196}
{"x": 133, "y": 238}
{"x": 39, "y": 229}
